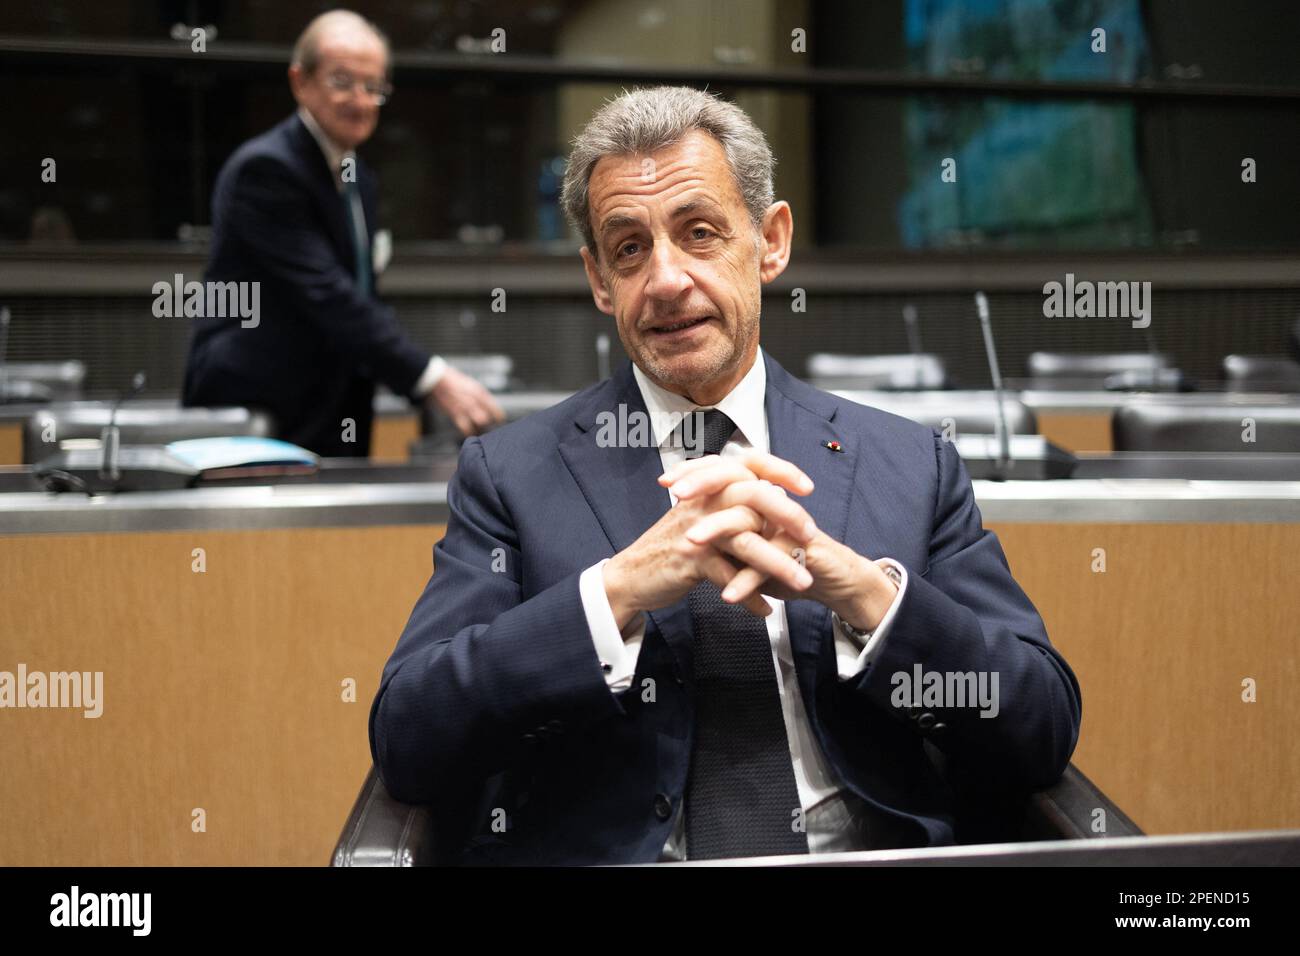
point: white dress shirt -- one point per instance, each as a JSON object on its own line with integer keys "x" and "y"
{"x": 334, "y": 157}
{"x": 744, "y": 405}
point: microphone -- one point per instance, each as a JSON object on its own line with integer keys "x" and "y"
{"x": 1158, "y": 378}
{"x": 602, "y": 357}
{"x": 913, "y": 329}
{"x": 1004, "y": 435}
{"x": 913, "y": 342}
{"x": 1035, "y": 457}
{"x": 4, "y": 351}
{"x": 113, "y": 466}
{"x": 111, "y": 437}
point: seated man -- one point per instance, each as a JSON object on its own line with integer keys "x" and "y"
{"x": 593, "y": 673}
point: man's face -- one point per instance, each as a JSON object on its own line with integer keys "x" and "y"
{"x": 346, "y": 52}
{"x": 680, "y": 265}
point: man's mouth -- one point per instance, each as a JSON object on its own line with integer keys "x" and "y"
{"x": 681, "y": 325}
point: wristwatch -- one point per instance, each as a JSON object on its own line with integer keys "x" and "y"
{"x": 847, "y": 629}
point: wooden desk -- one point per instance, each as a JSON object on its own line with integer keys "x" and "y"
{"x": 223, "y": 689}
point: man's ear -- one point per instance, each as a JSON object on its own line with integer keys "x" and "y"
{"x": 776, "y": 231}
{"x": 296, "y": 80}
{"x": 599, "y": 292}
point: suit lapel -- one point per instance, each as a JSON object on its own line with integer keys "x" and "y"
{"x": 320, "y": 179}
{"x": 800, "y": 423}
{"x": 621, "y": 485}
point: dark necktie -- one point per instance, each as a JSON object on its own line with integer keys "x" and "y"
{"x": 741, "y": 794}
{"x": 360, "y": 241}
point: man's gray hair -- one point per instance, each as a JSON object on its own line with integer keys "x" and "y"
{"x": 642, "y": 121}
{"x": 306, "y": 51}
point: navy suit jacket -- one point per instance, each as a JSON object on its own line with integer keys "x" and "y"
{"x": 493, "y": 706}
{"x": 320, "y": 345}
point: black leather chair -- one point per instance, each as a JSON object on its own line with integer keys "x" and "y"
{"x": 1260, "y": 373}
{"x": 1155, "y": 426}
{"x": 904, "y": 372}
{"x": 140, "y": 423}
{"x": 380, "y": 831}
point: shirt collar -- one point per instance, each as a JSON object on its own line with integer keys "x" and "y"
{"x": 743, "y": 405}
{"x": 334, "y": 154}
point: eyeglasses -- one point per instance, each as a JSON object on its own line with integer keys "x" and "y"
{"x": 341, "y": 81}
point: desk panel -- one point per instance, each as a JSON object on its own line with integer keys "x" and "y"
{"x": 1076, "y": 431}
{"x": 221, "y": 690}
{"x": 1160, "y": 643}
{"x": 11, "y": 443}
{"x": 391, "y": 436}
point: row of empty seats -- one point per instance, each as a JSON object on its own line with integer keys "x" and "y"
{"x": 1140, "y": 424}
{"x": 1055, "y": 371}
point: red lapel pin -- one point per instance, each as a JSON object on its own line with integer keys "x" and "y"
{"x": 834, "y": 446}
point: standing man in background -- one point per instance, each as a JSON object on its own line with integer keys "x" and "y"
{"x": 294, "y": 209}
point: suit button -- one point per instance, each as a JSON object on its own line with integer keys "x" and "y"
{"x": 555, "y": 726}
{"x": 529, "y": 738}
{"x": 939, "y": 728}
{"x": 925, "y": 721}
{"x": 663, "y": 806}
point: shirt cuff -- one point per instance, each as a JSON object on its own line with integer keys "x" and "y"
{"x": 617, "y": 651}
{"x": 852, "y": 657}
{"x": 433, "y": 373}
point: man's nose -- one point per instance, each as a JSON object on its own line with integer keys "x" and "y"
{"x": 668, "y": 277}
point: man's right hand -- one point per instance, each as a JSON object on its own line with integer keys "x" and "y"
{"x": 663, "y": 565}
{"x": 471, "y": 406}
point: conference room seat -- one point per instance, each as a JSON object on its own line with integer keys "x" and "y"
{"x": 950, "y": 412}
{"x": 1260, "y": 373}
{"x": 57, "y": 381}
{"x": 1078, "y": 371}
{"x": 140, "y": 423}
{"x": 381, "y": 831}
{"x": 905, "y": 372}
{"x": 1154, "y": 426}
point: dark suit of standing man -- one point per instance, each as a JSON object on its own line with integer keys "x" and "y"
{"x": 294, "y": 209}
{"x": 594, "y": 673}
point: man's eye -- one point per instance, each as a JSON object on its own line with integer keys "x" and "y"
{"x": 629, "y": 249}
{"x": 701, "y": 232}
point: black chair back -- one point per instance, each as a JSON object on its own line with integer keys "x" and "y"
{"x": 1155, "y": 426}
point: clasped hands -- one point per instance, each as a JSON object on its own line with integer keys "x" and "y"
{"x": 735, "y": 525}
